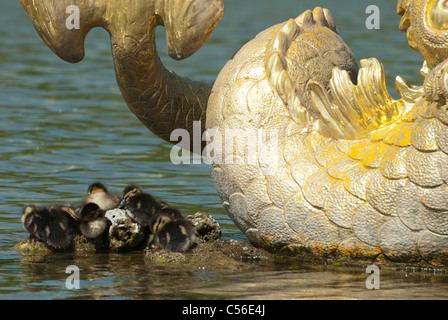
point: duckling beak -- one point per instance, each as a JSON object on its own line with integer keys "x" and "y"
{"x": 122, "y": 204}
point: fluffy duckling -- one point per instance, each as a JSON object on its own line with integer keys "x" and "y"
{"x": 171, "y": 231}
{"x": 142, "y": 206}
{"x": 168, "y": 228}
{"x": 97, "y": 193}
{"x": 54, "y": 225}
{"x": 92, "y": 220}
{"x": 91, "y": 212}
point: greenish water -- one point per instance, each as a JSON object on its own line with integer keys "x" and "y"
{"x": 65, "y": 126}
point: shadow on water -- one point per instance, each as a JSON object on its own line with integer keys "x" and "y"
{"x": 65, "y": 126}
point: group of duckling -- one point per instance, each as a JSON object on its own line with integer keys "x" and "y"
{"x": 57, "y": 225}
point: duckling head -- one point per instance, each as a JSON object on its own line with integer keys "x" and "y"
{"x": 97, "y": 193}
{"x": 128, "y": 193}
{"x": 90, "y": 211}
{"x": 27, "y": 216}
{"x": 96, "y": 187}
{"x": 93, "y": 222}
{"x": 29, "y": 209}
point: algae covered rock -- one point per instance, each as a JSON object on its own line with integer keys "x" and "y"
{"x": 124, "y": 233}
{"x": 207, "y": 228}
{"x": 225, "y": 255}
{"x": 31, "y": 246}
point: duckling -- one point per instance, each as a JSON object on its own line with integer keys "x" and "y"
{"x": 142, "y": 206}
{"x": 92, "y": 211}
{"x": 55, "y": 225}
{"x": 92, "y": 220}
{"x": 171, "y": 231}
{"x": 168, "y": 228}
{"x": 97, "y": 193}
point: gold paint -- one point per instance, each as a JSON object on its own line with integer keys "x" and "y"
{"x": 401, "y": 135}
{"x": 374, "y": 155}
{"x": 359, "y": 149}
{"x": 437, "y": 14}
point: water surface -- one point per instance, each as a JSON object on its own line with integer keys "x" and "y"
{"x": 65, "y": 126}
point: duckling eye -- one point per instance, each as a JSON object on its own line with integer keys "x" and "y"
{"x": 437, "y": 14}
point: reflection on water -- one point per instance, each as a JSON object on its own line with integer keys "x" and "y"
{"x": 65, "y": 126}
{"x": 127, "y": 276}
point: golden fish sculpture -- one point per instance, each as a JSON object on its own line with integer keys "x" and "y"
{"x": 351, "y": 172}
{"x": 307, "y": 152}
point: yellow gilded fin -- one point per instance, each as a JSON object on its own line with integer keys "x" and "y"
{"x": 353, "y": 111}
